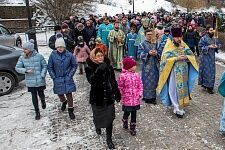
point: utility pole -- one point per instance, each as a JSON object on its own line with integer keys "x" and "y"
{"x": 133, "y": 6}
{"x": 31, "y": 32}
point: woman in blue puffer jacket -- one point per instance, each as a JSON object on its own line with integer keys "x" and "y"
{"x": 34, "y": 66}
{"x": 62, "y": 67}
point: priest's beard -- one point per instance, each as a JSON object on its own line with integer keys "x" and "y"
{"x": 117, "y": 29}
{"x": 177, "y": 43}
{"x": 211, "y": 35}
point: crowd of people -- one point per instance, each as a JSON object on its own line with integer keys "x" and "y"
{"x": 167, "y": 45}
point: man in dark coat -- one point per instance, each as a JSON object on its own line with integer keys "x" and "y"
{"x": 190, "y": 38}
{"x": 79, "y": 31}
{"x": 58, "y": 34}
{"x": 90, "y": 31}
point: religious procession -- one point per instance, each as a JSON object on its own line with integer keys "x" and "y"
{"x": 175, "y": 51}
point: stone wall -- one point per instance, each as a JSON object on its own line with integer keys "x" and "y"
{"x": 14, "y": 12}
{"x": 15, "y": 17}
{"x": 17, "y": 25}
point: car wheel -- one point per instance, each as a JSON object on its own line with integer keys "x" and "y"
{"x": 7, "y": 83}
{"x": 18, "y": 43}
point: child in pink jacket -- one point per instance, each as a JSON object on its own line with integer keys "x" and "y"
{"x": 81, "y": 53}
{"x": 130, "y": 85}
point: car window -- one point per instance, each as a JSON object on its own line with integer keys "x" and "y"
{"x": 4, "y": 30}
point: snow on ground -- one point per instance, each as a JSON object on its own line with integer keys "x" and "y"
{"x": 140, "y": 6}
{"x": 42, "y": 37}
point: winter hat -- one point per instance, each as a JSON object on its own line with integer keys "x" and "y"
{"x": 128, "y": 63}
{"x": 29, "y": 45}
{"x": 98, "y": 40}
{"x": 60, "y": 43}
{"x": 59, "y": 35}
{"x": 64, "y": 26}
{"x": 176, "y": 32}
{"x": 80, "y": 38}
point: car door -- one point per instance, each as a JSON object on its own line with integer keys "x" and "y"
{"x": 6, "y": 38}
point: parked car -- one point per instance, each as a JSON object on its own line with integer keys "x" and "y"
{"x": 9, "y": 38}
{"x": 9, "y": 78}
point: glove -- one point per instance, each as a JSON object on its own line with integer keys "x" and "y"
{"x": 117, "y": 95}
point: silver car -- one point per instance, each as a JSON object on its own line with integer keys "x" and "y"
{"x": 9, "y": 38}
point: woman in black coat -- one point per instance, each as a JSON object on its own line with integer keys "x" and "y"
{"x": 104, "y": 91}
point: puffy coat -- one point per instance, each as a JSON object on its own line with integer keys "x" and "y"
{"x": 131, "y": 88}
{"x": 37, "y": 63}
{"x": 81, "y": 53}
{"x": 61, "y": 68}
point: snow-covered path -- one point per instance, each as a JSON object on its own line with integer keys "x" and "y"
{"x": 157, "y": 127}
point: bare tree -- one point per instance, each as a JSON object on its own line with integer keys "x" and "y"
{"x": 57, "y": 10}
{"x": 190, "y": 4}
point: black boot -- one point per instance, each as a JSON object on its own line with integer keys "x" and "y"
{"x": 109, "y": 137}
{"x": 125, "y": 123}
{"x": 81, "y": 71}
{"x": 71, "y": 114}
{"x": 38, "y": 116}
{"x": 109, "y": 142}
{"x": 133, "y": 129}
{"x": 152, "y": 101}
{"x": 98, "y": 131}
{"x": 43, "y": 104}
{"x": 210, "y": 90}
{"x": 63, "y": 107}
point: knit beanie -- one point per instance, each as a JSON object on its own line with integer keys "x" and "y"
{"x": 29, "y": 45}
{"x": 128, "y": 63}
{"x": 60, "y": 43}
{"x": 64, "y": 26}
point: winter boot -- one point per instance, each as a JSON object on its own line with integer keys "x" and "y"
{"x": 133, "y": 129}
{"x": 109, "y": 137}
{"x": 152, "y": 101}
{"x": 43, "y": 104}
{"x": 98, "y": 131}
{"x": 38, "y": 116}
{"x": 71, "y": 114}
{"x": 210, "y": 90}
{"x": 125, "y": 123}
{"x": 81, "y": 71}
{"x": 109, "y": 141}
{"x": 63, "y": 107}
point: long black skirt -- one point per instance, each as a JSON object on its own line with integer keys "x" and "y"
{"x": 103, "y": 116}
